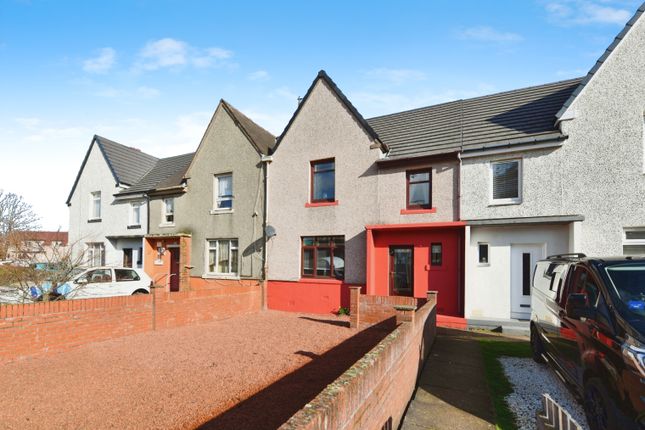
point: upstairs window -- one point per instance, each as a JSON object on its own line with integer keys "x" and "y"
{"x": 95, "y": 205}
{"x": 135, "y": 213}
{"x": 323, "y": 182}
{"x": 506, "y": 182}
{"x": 168, "y": 216}
{"x": 419, "y": 189}
{"x": 223, "y": 191}
{"x": 222, "y": 257}
{"x": 323, "y": 257}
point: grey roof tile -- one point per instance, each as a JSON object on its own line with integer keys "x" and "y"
{"x": 522, "y": 115}
{"x": 128, "y": 164}
{"x": 167, "y": 172}
{"x": 262, "y": 139}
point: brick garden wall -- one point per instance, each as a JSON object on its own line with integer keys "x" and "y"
{"x": 40, "y": 328}
{"x": 374, "y": 393}
{"x": 374, "y": 309}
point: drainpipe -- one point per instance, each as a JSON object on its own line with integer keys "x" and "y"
{"x": 265, "y": 159}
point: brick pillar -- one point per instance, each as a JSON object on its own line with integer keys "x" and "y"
{"x": 354, "y": 306}
{"x": 404, "y": 314}
{"x": 432, "y": 297}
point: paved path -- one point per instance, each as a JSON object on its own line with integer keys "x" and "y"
{"x": 452, "y": 393}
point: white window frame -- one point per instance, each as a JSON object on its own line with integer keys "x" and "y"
{"x": 216, "y": 197}
{"x": 479, "y": 263}
{"x": 91, "y": 249}
{"x": 94, "y": 196}
{"x": 632, "y": 242}
{"x": 165, "y": 214}
{"x": 134, "y": 206}
{"x": 511, "y": 201}
{"x": 228, "y": 274}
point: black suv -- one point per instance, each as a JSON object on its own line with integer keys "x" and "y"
{"x": 588, "y": 322}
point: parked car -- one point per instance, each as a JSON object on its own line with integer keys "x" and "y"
{"x": 588, "y": 323}
{"x": 106, "y": 282}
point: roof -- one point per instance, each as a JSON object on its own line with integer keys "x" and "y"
{"x": 322, "y": 75}
{"x": 601, "y": 60}
{"x": 46, "y": 236}
{"x": 128, "y": 165}
{"x": 167, "y": 172}
{"x": 524, "y": 115}
{"x": 262, "y": 139}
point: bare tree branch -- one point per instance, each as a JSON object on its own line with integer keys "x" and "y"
{"x": 16, "y": 215}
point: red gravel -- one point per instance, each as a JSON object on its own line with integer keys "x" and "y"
{"x": 247, "y": 372}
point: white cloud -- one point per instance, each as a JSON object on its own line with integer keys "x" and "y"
{"x": 102, "y": 63}
{"x": 259, "y": 75}
{"x": 172, "y": 53}
{"x": 28, "y": 122}
{"x": 488, "y": 34}
{"x": 585, "y": 12}
{"x": 396, "y": 76}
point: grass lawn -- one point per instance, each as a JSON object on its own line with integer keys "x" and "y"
{"x": 500, "y": 387}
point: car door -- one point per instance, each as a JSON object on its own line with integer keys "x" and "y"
{"x": 94, "y": 283}
{"x": 127, "y": 281}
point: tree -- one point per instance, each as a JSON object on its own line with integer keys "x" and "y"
{"x": 16, "y": 215}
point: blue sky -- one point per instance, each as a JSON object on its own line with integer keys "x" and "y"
{"x": 149, "y": 74}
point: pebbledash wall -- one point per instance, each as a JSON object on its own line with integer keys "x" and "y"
{"x": 374, "y": 392}
{"x": 41, "y": 328}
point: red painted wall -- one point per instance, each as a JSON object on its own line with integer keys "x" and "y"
{"x": 318, "y": 297}
{"x": 447, "y": 279}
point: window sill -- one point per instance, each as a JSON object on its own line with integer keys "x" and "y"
{"x": 220, "y": 276}
{"x": 166, "y": 225}
{"x": 505, "y": 202}
{"x": 221, "y": 211}
{"x": 318, "y": 204}
{"x": 94, "y": 220}
{"x": 134, "y": 227}
{"x": 483, "y": 264}
{"x": 322, "y": 280}
{"x": 418, "y": 211}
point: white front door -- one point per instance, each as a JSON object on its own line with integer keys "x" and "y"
{"x": 523, "y": 259}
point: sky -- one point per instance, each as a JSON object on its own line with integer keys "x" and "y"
{"x": 149, "y": 74}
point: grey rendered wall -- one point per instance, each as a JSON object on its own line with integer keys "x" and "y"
{"x": 604, "y": 152}
{"x": 392, "y": 193}
{"x": 96, "y": 176}
{"x": 323, "y": 129}
{"x": 224, "y": 149}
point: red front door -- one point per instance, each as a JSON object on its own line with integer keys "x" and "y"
{"x": 402, "y": 270}
{"x": 174, "y": 269}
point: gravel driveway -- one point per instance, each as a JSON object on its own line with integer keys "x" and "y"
{"x": 530, "y": 380}
{"x": 268, "y": 364}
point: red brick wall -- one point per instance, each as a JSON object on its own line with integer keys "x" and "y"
{"x": 40, "y": 328}
{"x": 374, "y": 309}
{"x": 377, "y": 389}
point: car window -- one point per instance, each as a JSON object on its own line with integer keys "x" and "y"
{"x": 97, "y": 276}
{"x": 126, "y": 275}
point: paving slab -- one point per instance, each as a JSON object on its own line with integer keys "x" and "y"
{"x": 452, "y": 390}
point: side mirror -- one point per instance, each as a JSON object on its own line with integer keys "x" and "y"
{"x": 577, "y": 307}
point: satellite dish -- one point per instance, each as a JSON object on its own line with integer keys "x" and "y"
{"x": 270, "y": 231}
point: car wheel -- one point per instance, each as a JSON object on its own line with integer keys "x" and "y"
{"x": 139, "y": 292}
{"x": 536, "y": 346}
{"x": 599, "y": 407}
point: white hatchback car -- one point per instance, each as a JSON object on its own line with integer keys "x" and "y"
{"x": 106, "y": 282}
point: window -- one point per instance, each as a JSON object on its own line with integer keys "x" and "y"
{"x": 482, "y": 249}
{"x": 436, "y": 254}
{"x": 95, "y": 205}
{"x": 323, "y": 257}
{"x": 135, "y": 214}
{"x": 634, "y": 241}
{"x": 222, "y": 256}
{"x": 126, "y": 275}
{"x": 168, "y": 211}
{"x": 223, "y": 192}
{"x": 96, "y": 254}
{"x": 506, "y": 184}
{"x": 323, "y": 186}
{"x": 140, "y": 258}
{"x": 97, "y": 276}
{"x": 419, "y": 189}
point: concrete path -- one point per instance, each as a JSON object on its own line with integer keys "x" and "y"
{"x": 452, "y": 393}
